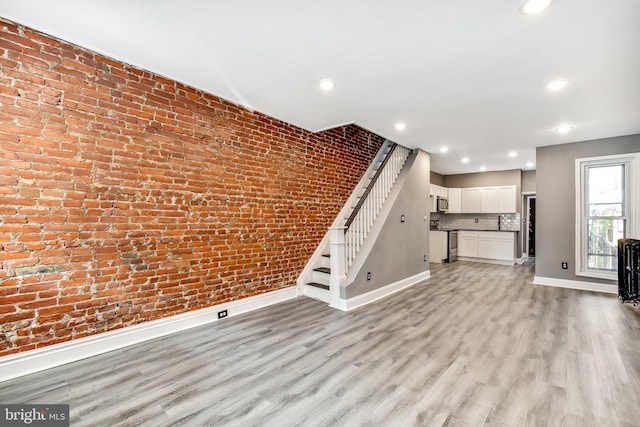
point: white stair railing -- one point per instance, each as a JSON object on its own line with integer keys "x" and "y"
{"x": 360, "y": 222}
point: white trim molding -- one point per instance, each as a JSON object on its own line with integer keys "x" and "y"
{"x": 631, "y": 204}
{"x": 576, "y": 284}
{"x": 385, "y": 291}
{"x": 28, "y": 362}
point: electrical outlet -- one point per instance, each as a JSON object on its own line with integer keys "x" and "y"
{"x": 565, "y": 265}
{"x": 402, "y": 218}
{"x": 368, "y": 275}
{"x": 424, "y": 258}
{"x": 222, "y": 314}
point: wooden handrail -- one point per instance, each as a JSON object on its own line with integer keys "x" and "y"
{"x": 368, "y": 190}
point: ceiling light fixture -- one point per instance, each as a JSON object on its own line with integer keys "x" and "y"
{"x": 483, "y": 168}
{"x": 444, "y": 149}
{"x": 465, "y": 160}
{"x": 513, "y": 154}
{"x": 556, "y": 85}
{"x": 529, "y": 164}
{"x": 401, "y": 126}
{"x": 531, "y": 7}
{"x": 564, "y": 128}
{"x": 327, "y": 85}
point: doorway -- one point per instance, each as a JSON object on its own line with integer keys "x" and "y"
{"x": 529, "y": 249}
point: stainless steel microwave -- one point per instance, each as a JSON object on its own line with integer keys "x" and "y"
{"x": 443, "y": 204}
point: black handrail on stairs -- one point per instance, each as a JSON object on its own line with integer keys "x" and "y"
{"x": 368, "y": 190}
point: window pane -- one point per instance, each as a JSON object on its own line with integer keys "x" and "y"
{"x": 605, "y": 184}
{"x": 603, "y": 235}
{"x": 603, "y": 209}
{"x": 602, "y": 262}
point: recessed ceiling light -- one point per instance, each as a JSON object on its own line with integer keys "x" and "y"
{"x": 443, "y": 149}
{"x": 564, "y": 128}
{"x": 513, "y": 154}
{"x": 556, "y": 85}
{"x": 483, "y": 168}
{"x": 400, "y": 126}
{"x": 534, "y": 6}
{"x": 465, "y": 160}
{"x": 327, "y": 85}
{"x": 529, "y": 164}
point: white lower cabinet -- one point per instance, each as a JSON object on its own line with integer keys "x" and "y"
{"x": 505, "y": 247}
{"x": 487, "y": 245}
{"x": 468, "y": 244}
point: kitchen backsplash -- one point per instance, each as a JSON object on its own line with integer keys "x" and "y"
{"x": 508, "y": 222}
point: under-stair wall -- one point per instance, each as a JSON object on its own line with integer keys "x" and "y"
{"x": 397, "y": 253}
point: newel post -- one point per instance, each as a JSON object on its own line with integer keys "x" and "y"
{"x": 338, "y": 263}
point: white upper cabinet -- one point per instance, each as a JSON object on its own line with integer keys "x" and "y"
{"x": 455, "y": 200}
{"x": 507, "y": 199}
{"x": 476, "y": 200}
{"x": 470, "y": 200}
{"x": 436, "y": 190}
{"x": 487, "y": 199}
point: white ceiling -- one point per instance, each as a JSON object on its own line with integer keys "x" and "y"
{"x": 467, "y": 74}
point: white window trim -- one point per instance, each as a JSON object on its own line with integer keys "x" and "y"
{"x": 633, "y": 205}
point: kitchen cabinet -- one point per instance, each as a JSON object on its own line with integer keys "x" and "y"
{"x": 488, "y": 199}
{"x": 455, "y": 201}
{"x": 468, "y": 244}
{"x": 433, "y": 202}
{"x": 505, "y": 246}
{"x": 438, "y": 191}
{"x": 507, "y": 199}
{"x": 487, "y": 246}
{"x": 438, "y": 246}
{"x": 470, "y": 200}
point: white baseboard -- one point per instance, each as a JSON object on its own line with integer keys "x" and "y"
{"x": 576, "y": 284}
{"x": 19, "y": 364}
{"x": 369, "y": 297}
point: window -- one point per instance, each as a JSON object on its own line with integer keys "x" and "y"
{"x": 605, "y": 196}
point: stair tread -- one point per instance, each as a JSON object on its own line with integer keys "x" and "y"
{"x": 318, "y": 285}
{"x": 323, "y": 270}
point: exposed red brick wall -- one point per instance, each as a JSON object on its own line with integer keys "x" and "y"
{"x": 127, "y": 197}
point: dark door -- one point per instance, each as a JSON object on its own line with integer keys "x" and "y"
{"x": 531, "y": 232}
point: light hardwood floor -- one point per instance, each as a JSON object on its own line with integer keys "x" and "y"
{"x": 476, "y": 344}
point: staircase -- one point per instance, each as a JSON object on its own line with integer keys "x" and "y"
{"x": 318, "y": 288}
{"x": 356, "y": 220}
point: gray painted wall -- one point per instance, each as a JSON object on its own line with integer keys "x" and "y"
{"x": 437, "y": 179}
{"x": 528, "y": 181}
{"x": 398, "y": 252}
{"x": 555, "y": 205}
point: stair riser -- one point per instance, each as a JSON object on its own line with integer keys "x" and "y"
{"x": 322, "y": 278}
{"x": 317, "y": 293}
{"x": 325, "y": 262}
